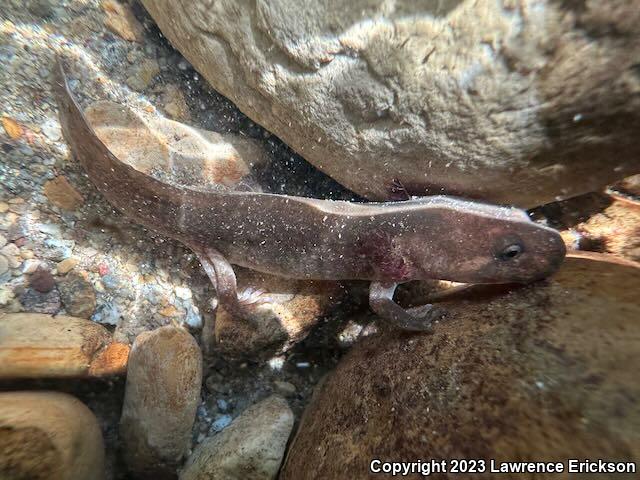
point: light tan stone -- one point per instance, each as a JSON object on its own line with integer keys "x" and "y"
{"x": 250, "y": 448}
{"x": 34, "y": 345}
{"x": 48, "y": 436}
{"x": 62, "y": 194}
{"x": 66, "y": 265}
{"x": 121, "y": 21}
{"x": 161, "y": 397}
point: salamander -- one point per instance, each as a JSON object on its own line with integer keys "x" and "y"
{"x": 436, "y": 237}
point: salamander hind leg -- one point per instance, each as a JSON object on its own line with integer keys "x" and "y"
{"x": 223, "y": 278}
{"x": 417, "y": 319}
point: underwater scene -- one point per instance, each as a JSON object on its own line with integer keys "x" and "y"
{"x": 300, "y": 240}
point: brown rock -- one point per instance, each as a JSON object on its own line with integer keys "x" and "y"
{"x": 12, "y": 128}
{"x": 292, "y": 309}
{"x": 66, "y": 265}
{"x": 546, "y": 371}
{"x": 48, "y": 436}
{"x": 77, "y": 294}
{"x": 518, "y": 102}
{"x": 143, "y": 74}
{"x": 161, "y": 397}
{"x": 40, "y": 346}
{"x": 174, "y": 103}
{"x": 42, "y": 280}
{"x": 121, "y": 21}
{"x": 62, "y": 194}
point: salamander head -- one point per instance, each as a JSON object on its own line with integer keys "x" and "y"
{"x": 492, "y": 245}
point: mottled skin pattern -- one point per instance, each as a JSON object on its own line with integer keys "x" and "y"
{"x": 388, "y": 243}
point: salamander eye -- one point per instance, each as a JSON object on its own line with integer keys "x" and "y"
{"x": 510, "y": 252}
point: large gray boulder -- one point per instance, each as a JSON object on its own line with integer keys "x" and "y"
{"x": 521, "y": 102}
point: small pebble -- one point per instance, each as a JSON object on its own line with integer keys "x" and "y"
{"x": 27, "y": 254}
{"x": 285, "y": 389}
{"x": 4, "y": 264}
{"x": 222, "y": 405}
{"x": 183, "y": 293}
{"x": 51, "y": 128}
{"x": 4, "y": 206}
{"x": 220, "y": 423}
{"x": 42, "y": 280}
{"x": 30, "y": 265}
{"x": 3, "y": 241}
{"x": 10, "y": 250}
{"x": 67, "y": 265}
{"x": 6, "y": 295}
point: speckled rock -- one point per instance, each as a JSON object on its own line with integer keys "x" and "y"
{"x": 161, "y": 397}
{"x": 250, "y": 448}
{"x": 40, "y": 346}
{"x": 290, "y": 310}
{"x": 38, "y": 302}
{"x": 547, "y": 371}
{"x": 48, "y": 436}
{"x": 77, "y": 294}
{"x": 512, "y": 102}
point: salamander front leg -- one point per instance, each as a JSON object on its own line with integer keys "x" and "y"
{"x": 417, "y": 319}
{"x": 223, "y": 279}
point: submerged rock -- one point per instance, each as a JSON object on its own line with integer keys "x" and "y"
{"x": 518, "y": 102}
{"x": 173, "y": 151}
{"x": 48, "y": 436}
{"x": 546, "y": 371}
{"x": 77, "y": 294}
{"x": 251, "y": 448}
{"x": 290, "y": 310}
{"x": 161, "y": 398}
{"x": 40, "y": 346}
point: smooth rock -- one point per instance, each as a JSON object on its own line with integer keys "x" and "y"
{"x": 77, "y": 295}
{"x": 49, "y": 436}
{"x": 511, "y": 102}
{"x": 66, "y": 265}
{"x": 121, "y": 21}
{"x": 291, "y": 308}
{"x": 161, "y": 397}
{"x": 546, "y": 371}
{"x": 251, "y": 448}
{"x": 35, "y": 345}
{"x": 62, "y": 194}
{"x": 286, "y": 389}
{"x": 198, "y": 158}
